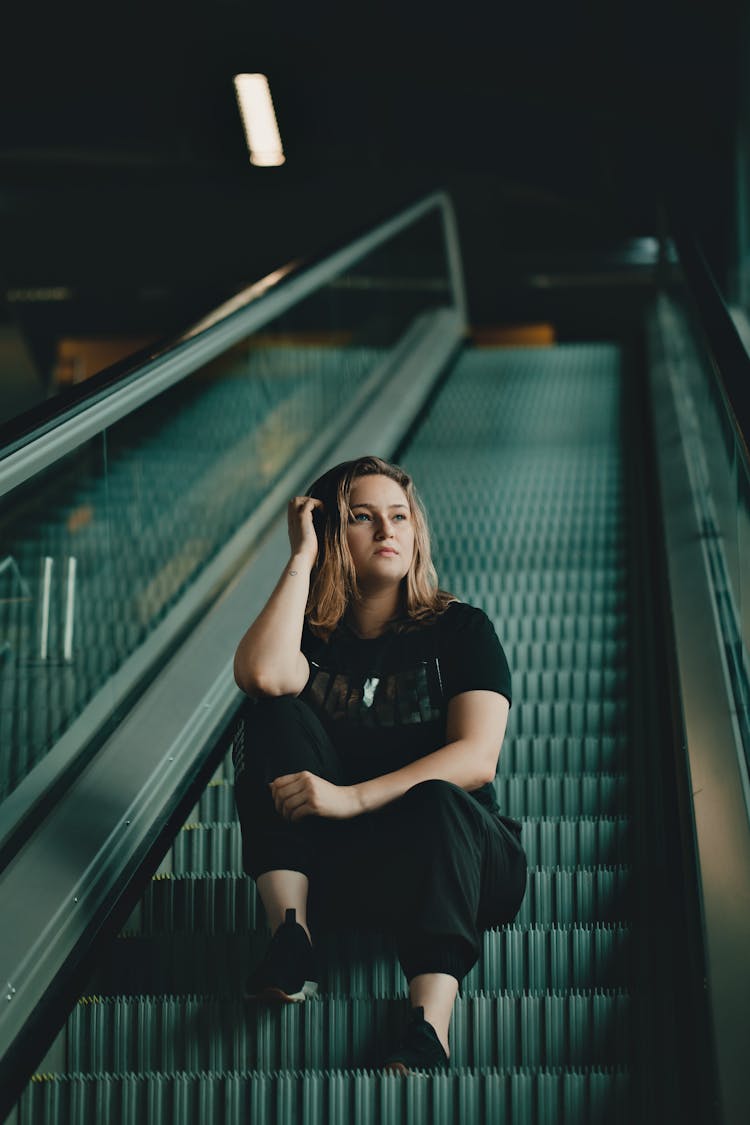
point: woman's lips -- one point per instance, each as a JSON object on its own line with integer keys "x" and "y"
{"x": 386, "y": 551}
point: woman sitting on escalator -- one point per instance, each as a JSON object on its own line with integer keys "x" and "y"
{"x": 378, "y": 705}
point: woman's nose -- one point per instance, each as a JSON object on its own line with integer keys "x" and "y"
{"x": 385, "y": 528}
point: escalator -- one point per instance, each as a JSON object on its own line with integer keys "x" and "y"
{"x": 530, "y": 465}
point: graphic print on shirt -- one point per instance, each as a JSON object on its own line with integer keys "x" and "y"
{"x": 410, "y": 695}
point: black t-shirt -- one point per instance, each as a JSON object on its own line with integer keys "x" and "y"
{"x": 384, "y": 701}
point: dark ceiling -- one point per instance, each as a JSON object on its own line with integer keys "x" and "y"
{"x": 555, "y": 125}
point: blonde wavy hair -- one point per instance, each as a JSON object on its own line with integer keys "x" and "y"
{"x": 333, "y": 582}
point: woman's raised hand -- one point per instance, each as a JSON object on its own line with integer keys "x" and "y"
{"x": 302, "y": 537}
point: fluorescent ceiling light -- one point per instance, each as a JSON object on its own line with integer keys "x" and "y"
{"x": 259, "y": 120}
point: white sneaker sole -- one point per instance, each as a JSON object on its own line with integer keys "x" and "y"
{"x": 278, "y": 996}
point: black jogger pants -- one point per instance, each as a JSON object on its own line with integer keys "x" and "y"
{"x": 434, "y": 866}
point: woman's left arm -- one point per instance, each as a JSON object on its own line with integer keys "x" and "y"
{"x": 475, "y": 728}
{"x": 474, "y": 732}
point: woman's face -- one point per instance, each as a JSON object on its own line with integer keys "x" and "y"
{"x": 380, "y": 532}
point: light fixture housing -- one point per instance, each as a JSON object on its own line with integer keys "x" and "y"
{"x": 259, "y": 120}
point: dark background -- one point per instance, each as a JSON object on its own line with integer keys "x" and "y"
{"x": 559, "y": 128}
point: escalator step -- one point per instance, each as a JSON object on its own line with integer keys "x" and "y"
{"x": 364, "y": 963}
{"x": 609, "y": 627}
{"x": 216, "y": 848}
{"x": 485, "y": 585}
{"x": 502, "y": 603}
{"x": 193, "y": 1033}
{"x": 527, "y": 1097}
{"x": 595, "y": 685}
{"x": 522, "y": 754}
{"x": 562, "y": 795}
{"x": 581, "y": 894}
{"x": 519, "y": 463}
{"x": 229, "y": 904}
{"x": 562, "y": 718}
{"x": 571, "y": 755}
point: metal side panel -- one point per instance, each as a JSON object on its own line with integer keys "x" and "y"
{"x": 712, "y": 743}
{"x": 79, "y": 860}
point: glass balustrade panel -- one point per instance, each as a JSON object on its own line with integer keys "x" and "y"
{"x": 101, "y": 549}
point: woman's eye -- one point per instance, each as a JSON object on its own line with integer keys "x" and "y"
{"x": 365, "y": 517}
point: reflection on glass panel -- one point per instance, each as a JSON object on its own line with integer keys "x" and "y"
{"x": 55, "y": 652}
{"x": 96, "y": 553}
{"x": 404, "y": 277}
{"x": 190, "y": 467}
{"x": 187, "y": 469}
{"x": 720, "y": 469}
{"x": 743, "y": 552}
{"x": 719, "y": 442}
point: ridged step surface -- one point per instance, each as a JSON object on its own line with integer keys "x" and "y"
{"x": 519, "y": 756}
{"x": 528, "y": 1097}
{"x": 228, "y": 903}
{"x": 364, "y": 963}
{"x": 543, "y": 794}
{"x": 519, "y": 462}
{"x": 216, "y": 848}
{"x": 196, "y": 1033}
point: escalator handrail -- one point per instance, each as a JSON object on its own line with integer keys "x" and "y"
{"x": 42, "y": 436}
{"x": 98, "y": 840}
{"x": 729, "y": 357}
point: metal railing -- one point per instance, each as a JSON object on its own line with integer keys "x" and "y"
{"x": 86, "y": 848}
{"x": 215, "y": 336}
{"x": 700, "y": 382}
{"x": 243, "y": 314}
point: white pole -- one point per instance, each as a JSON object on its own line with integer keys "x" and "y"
{"x": 70, "y": 603}
{"x": 46, "y": 583}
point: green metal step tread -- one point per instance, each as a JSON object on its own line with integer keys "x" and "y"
{"x": 216, "y": 848}
{"x": 364, "y": 962}
{"x": 527, "y": 754}
{"x": 462, "y": 579}
{"x": 520, "y": 754}
{"x": 528, "y": 795}
{"x": 609, "y": 601}
{"x": 584, "y": 1096}
{"x": 562, "y": 718}
{"x": 166, "y": 1033}
{"x": 543, "y": 551}
{"x": 555, "y": 656}
{"x": 572, "y": 754}
{"x": 482, "y": 584}
{"x": 593, "y": 685}
{"x": 560, "y": 544}
{"x": 555, "y": 795}
{"x": 229, "y": 903}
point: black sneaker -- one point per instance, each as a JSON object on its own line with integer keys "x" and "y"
{"x": 287, "y": 974}
{"x": 420, "y": 1050}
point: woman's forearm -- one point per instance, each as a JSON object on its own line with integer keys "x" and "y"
{"x": 465, "y": 763}
{"x": 268, "y": 659}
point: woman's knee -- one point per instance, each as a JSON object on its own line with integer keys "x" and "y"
{"x": 437, "y": 810}
{"x": 435, "y": 792}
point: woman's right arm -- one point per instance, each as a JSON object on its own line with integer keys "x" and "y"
{"x": 269, "y": 659}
